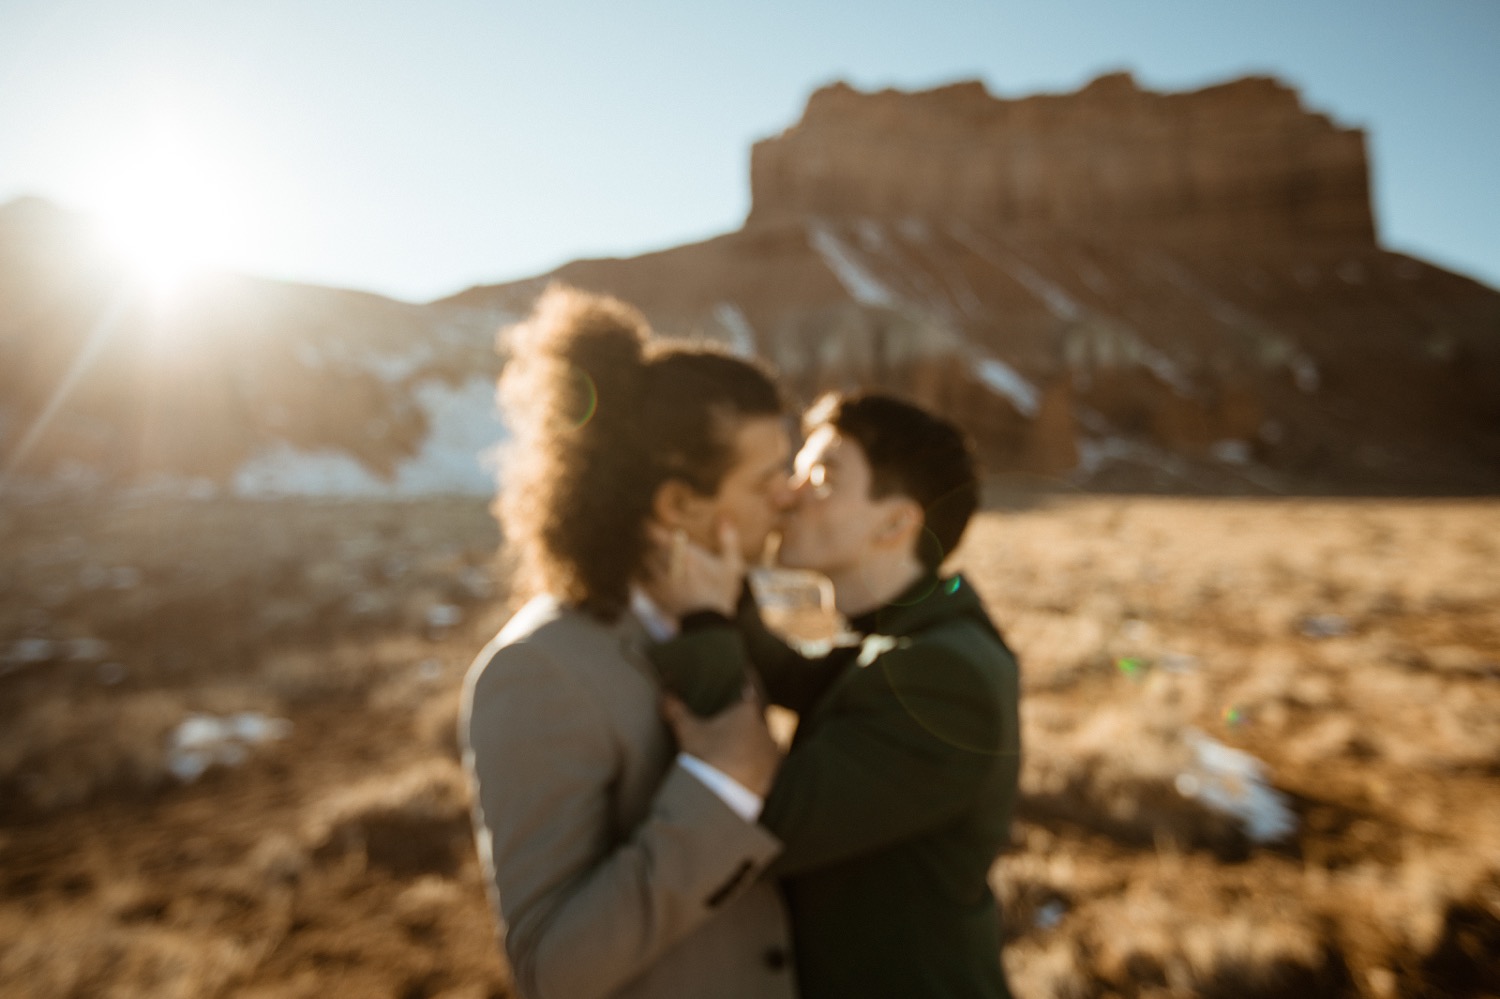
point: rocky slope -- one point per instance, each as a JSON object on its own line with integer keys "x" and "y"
{"x": 1115, "y": 287}
{"x": 1112, "y": 289}
{"x": 251, "y": 386}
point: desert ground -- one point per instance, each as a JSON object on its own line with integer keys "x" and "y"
{"x": 1262, "y": 746}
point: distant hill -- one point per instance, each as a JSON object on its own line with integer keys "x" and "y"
{"x": 1112, "y": 288}
{"x": 253, "y": 386}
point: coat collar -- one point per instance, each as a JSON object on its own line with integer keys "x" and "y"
{"x": 929, "y": 601}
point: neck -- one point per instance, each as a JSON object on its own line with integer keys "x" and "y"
{"x": 874, "y": 584}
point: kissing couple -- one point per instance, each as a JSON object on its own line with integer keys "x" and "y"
{"x": 642, "y": 832}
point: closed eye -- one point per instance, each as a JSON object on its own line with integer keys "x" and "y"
{"x": 817, "y": 479}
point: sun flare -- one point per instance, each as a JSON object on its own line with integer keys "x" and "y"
{"x": 167, "y": 211}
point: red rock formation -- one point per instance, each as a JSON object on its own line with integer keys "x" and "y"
{"x": 1237, "y": 161}
{"x": 1189, "y": 283}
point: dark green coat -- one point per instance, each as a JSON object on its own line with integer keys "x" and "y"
{"x": 896, "y": 795}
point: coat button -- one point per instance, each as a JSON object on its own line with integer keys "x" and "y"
{"x": 775, "y": 958}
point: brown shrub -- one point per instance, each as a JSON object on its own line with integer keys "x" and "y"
{"x": 409, "y": 823}
{"x": 63, "y": 751}
{"x": 1051, "y": 969}
{"x": 108, "y": 959}
{"x": 1114, "y": 769}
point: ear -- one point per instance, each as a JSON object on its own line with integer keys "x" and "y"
{"x": 900, "y": 524}
{"x": 678, "y": 506}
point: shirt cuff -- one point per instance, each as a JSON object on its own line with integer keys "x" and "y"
{"x": 742, "y": 801}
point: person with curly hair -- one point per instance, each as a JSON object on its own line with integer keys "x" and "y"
{"x": 618, "y": 866}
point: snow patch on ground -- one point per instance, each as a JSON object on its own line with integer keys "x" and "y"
{"x": 203, "y": 741}
{"x": 456, "y": 459}
{"x": 857, "y": 280}
{"x": 1094, "y": 454}
{"x": 1274, "y": 347}
{"x": 395, "y": 368}
{"x": 1005, "y": 380}
{"x": 1057, "y": 301}
{"x": 741, "y": 333}
{"x": 1233, "y": 782}
{"x": 1231, "y": 452}
{"x": 282, "y": 470}
{"x": 1104, "y": 343}
{"x": 1164, "y": 368}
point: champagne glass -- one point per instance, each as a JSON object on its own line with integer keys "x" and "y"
{"x": 796, "y": 604}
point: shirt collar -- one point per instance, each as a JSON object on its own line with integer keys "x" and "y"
{"x": 658, "y": 624}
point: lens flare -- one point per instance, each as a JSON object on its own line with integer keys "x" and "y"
{"x": 584, "y": 401}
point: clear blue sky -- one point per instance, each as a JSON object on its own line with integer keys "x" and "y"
{"x": 415, "y": 148}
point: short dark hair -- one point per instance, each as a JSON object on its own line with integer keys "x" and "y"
{"x": 601, "y": 416}
{"x": 912, "y": 453}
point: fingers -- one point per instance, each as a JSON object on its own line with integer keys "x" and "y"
{"x": 729, "y": 547}
{"x": 666, "y": 558}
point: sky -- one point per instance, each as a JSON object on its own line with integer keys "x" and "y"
{"x": 418, "y": 148}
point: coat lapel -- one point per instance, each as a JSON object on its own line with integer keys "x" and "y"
{"x": 931, "y": 601}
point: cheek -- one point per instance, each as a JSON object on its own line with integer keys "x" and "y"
{"x": 811, "y": 524}
{"x": 743, "y": 511}
{"x": 845, "y": 530}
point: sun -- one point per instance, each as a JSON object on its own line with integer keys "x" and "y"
{"x": 167, "y": 210}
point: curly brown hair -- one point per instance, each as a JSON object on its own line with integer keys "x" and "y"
{"x": 600, "y": 417}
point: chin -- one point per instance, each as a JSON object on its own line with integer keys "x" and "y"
{"x": 789, "y": 558}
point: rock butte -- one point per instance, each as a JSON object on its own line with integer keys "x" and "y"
{"x": 1238, "y": 162}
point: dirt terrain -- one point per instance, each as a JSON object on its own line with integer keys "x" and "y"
{"x": 1351, "y": 646}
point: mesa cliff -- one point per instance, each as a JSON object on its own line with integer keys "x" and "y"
{"x": 1235, "y": 162}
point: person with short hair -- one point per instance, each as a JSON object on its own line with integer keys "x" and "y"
{"x": 619, "y": 867}
{"x": 895, "y": 796}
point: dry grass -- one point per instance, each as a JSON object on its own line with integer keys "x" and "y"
{"x": 66, "y": 750}
{"x": 1352, "y": 646}
{"x": 414, "y": 821}
{"x": 1383, "y": 729}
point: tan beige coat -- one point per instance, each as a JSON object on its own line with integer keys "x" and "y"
{"x": 615, "y": 872}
